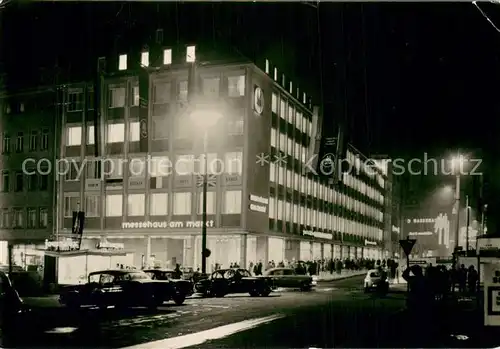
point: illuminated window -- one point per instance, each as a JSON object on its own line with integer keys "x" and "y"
{"x": 18, "y": 218}
{"x": 213, "y": 163}
{"x": 20, "y": 142}
{"x": 288, "y": 211}
{"x": 90, "y": 135}
{"x": 283, "y": 109}
{"x": 233, "y": 163}
{"x": 116, "y": 133}
{"x": 43, "y": 218}
{"x": 92, "y": 205}
{"x": 182, "y": 203}
{"x": 210, "y": 87}
{"x": 6, "y": 144}
{"x": 288, "y": 178}
{"x": 167, "y": 56}
{"x": 113, "y": 168}
{"x": 267, "y": 66}
{"x": 145, "y": 59}
{"x": 291, "y": 87}
{"x": 74, "y": 136}
{"x": 44, "y": 144}
{"x": 290, "y": 114}
{"x": 281, "y": 175}
{"x": 235, "y": 127}
{"x": 236, "y": 86}
{"x": 273, "y": 137}
{"x": 162, "y": 92}
{"x": 73, "y": 170}
{"x": 117, "y": 97}
{"x": 274, "y": 103}
{"x": 272, "y": 208}
{"x": 184, "y": 165}
{"x": 304, "y": 98}
{"x": 114, "y": 205}
{"x": 159, "y": 166}
{"x": 158, "y": 204}
{"x": 289, "y": 146}
{"x": 191, "y": 54}
{"x": 283, "y": 80}
{"x": 71, "y": 203}
{"x": 283, "y": 141}
{"x": 295, "y": 214}
{"x": 280, "y": 210}
{"x": 298, "y": 120}
{"x": 122, "y": 62}
{"x": 136, "y": 204}
{"x": 31, "y": 222}
{"x": 137, "y": 167}
{"x": 272, "y": 172}
{"x": 275, "y": 74}
{"x": 134, "y": 131}
{"x": 232, "y": 202}
{"x": 210, "y": 202}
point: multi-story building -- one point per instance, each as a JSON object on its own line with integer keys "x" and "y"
{"x": 27, "y": 192}
{"x": 261, "y": 205}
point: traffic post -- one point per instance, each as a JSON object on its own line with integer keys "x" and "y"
{"x": 407, "y": 245}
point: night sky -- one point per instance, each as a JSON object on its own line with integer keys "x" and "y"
{"x": 407, "y": 78}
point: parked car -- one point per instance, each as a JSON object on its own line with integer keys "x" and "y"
{"x": 235, "y": 280}
{"x": 374, "y": 280}
{"x": 288, "y": 278}
{"x": 120, "y": 288}
{"x": 181, "y": 286}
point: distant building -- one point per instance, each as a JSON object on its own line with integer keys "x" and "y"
{"x": 262, "y": 205}
{"x": 27, "y": 193}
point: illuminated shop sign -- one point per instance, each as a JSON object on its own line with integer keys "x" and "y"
{"x": 106, "y": 245}
{"x": 420, "y": 233}
{"x": 62, "y": 245}
{"x": 258, "y": 203}
{"x": 370, "y": 243}
{"x": 166, "y": 224}
{"x": 318, "y": 234}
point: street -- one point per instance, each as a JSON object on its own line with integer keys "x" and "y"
{"x": 336, "y": 314}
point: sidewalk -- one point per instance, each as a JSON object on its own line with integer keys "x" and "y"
{"x": 344, "y": 274}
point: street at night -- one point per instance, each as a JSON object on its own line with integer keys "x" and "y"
{"x": 335, "y": 314}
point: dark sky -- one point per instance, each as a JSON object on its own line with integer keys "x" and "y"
{"x": 408, "y": 78}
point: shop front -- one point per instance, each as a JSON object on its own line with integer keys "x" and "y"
{"x": 28, "y": 256}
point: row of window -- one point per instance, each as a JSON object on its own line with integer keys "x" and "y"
{"x": 158, "y": 204}
{"x": 115, "y": 134}
{"x": 156, "y": 166}
{"x": 366, "y": 168}
{"x": 363, "y": 188}
{"x": 305, "y": 185}
{"x": 33, "y": 182}
{"x": 164, "y": 93}
{"x": 31, "y": 218}
{"x": 287, "y": 112}
{"x": 37, "y": 141}
{"x": 289, "y": 212}
{"x": 298, "y": 151}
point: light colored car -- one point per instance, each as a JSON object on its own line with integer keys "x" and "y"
{"x": 373, "y": 279}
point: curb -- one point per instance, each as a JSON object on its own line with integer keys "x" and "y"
{"x": 340, "y": 277}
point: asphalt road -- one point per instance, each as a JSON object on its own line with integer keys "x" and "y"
{"x": 336, "y": 314}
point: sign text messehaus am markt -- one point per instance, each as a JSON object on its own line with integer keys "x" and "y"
{"x": 166, "y": 224}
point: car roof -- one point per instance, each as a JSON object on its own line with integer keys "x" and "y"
{"x": 234, "y": 269}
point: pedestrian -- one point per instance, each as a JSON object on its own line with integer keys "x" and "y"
{"x": 472, "y": 280}
{"x": 462, "y": 279}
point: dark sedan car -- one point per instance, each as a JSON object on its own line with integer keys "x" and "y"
{"x": 120, "y": 288}
{"x": 288, "y": 278}
{"x": 235, "y": 280}
{"x": 181, "y": 286}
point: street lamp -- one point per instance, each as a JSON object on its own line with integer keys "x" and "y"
{"x": 457, "y": 163}
{"x": 204, "y": 119}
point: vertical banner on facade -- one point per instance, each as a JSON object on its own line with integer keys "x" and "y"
{"x": 143, "y": 109}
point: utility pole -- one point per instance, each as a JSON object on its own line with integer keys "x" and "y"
{"x": 467, "y": 212}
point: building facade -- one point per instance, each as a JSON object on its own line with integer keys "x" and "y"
{"x": 27, "y": 192}
{"x": 261, "y": 204}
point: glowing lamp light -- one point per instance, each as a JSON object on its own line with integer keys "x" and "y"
{"x": 145, "y": 59}
{"x": 205, "y": 118}
{"x": 122, "y": 62}
{"x": 167, "y": 56}
{"x": 457, "y": 161}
